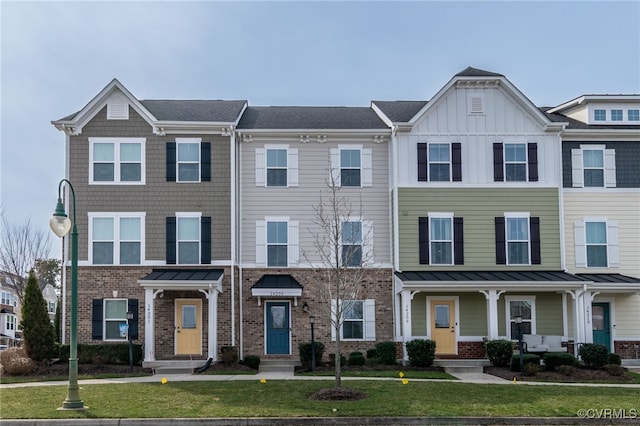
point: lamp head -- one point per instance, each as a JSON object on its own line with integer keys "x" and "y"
{"x": 305, "y": 307}
{"x": 60, "y": 223}
{"x": 312, "y": 319}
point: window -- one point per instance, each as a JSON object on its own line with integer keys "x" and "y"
{"x": 115, "y": 315}
{"x": 116, "y": 239}
{"x": 10, "y": 323}
{"x": 515, "y": 162}
{"x": 277, "y": 243}
{"x": 351, "y": 166}
{"x": 7, "y": 298}
{"x": 276, "y": 167}
{"x": 188, "y": 239}
{"x": 633, "y": 115}
{"x": 358, "y": 320}
{"x": 524, "y": 307}
{"x": 188, "y": 232}
{"x": 351, "y": 243}
{"x": 116, "y": 160}
{"x": 593, "y": 166}
{"x": 439, "y": 162}
{"x": 441, "y": 240}
{"x": 616, "y": 115}
{"x": 596, "y": 243}
{"x": 51, "y": 307}
{"x": 188, "y": 160}
{"x": 518, "y": 239}
{"x": 441, "y": 230}
{"x": 109, "y": 319}
{"x": 600, "y": 115}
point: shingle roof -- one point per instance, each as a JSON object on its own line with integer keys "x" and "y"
{"x": 184, "y": 275}
{"x": 489, "y": 276}
{"x": 194, "y": 110}
{"x": 400, "y": 111}
{"x": 577, "y": 124}
{"x": 303, "y": 117}
{"x": 475, "y": 72}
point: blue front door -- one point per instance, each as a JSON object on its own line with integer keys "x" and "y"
{"x": 601, "y": 324}
{"x": 278, "y": 328}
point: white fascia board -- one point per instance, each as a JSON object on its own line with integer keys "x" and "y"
{"x": 364, "y": 132}
{"x": 193, "y": 127}
{"x": 182, "y": 285}
{"x": 601, "y": 134}
{"x": 381, "y": 115}
{"x": 276, "y": 292}
{"x": 594, "y": 98}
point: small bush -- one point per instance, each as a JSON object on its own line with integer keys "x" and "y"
{"x": 229, "y": 354}
{"x": 332, "y": 360}
{"x": 113, "y": 353}
{"x": 566, "y": 370}
{"x": 304, "y": 349}
{"x": 99, "y": 360}
{"x": 552, "y": 360}
{"x": 531, "y": 369}
{"x": 594, "y": 355}
{"x": 386, "y": 352}
{"x": 421, "y": 352}
{"x": 252, "y": 361}
{"x": 16, "y": 362}
{"x": 615, "y": 359}
{"x": 615, "y": 369}
{"x": 372, "y": 354}
{"x": 499, "y": 352}
{"x": 356, "y": 358}
{"x": 526, "y": 359}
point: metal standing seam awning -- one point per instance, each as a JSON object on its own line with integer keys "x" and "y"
{"x": 612, "y": 283}
{"x": 277, "y": 286}
{"x": 183, "y": 279}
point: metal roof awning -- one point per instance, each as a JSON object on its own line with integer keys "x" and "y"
{"x": 277, "y": 286}
{"x": 183, "y": 279}
{"x": 612, "y": 283}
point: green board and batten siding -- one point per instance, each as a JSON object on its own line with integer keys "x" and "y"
{"x": 478, "y": 207}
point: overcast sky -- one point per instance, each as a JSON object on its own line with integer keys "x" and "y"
{"x": 57, "y": 55}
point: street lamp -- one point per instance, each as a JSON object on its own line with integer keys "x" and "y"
{"x": 518, "y": 320}
{"x": 60, "y": 225}
{"x": 129, "y": 318}
{"x": 312, "y": 321}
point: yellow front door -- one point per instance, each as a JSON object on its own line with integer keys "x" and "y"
{"x": 443, "y": 330}
{"x": 188, "y": 327}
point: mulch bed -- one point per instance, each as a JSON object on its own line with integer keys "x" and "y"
{"x": 580, "y": 375}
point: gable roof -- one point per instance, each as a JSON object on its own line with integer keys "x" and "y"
{"x": 399, "y": 111}
{"x": 475, "y": 72}
{"x": 194, "y": 110}
{"x": 311, "y": 117}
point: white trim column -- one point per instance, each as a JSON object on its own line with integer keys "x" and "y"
{"x": 149, "y": 325}
{"x": 405, "y": 302}
{"x": 492, "y": 297}
{"x": 212, "y": 315}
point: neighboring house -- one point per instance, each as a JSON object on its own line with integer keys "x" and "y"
{"x": 9, "y": 313}
{"x": 50, "y": 298}
{"x": 197, "y": 219}
{"x": 601, "y": 208}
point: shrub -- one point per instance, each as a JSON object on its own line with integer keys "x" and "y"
{"x": 304, "y": 349}
{"x": 16, "y": 362}
{"x": 531, "y": 369}
{"x": 421, "y": 352}
{"x": 615, "y": 369}
{"x": 594, "y": 355}
{"x": 552, "y": 360}
{"x": 526, "y": 359}
{"x": 37, "y": 331}
{"x": 499, "y": 352}
{"x": 356, "y": 358}
{"x": 113, "y": 353}
{"x": 229, "y": 354}
{"x": 372, "y": 354}
{"x": 386, "y": 352}
{"x": 99, "y": 360}
{"x": 615, "y": 359}
{"x": 566, "y": 370}
{"x": 332, "y": 360}
{"x": 252, "y": 361}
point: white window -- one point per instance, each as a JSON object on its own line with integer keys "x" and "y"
{"x": 523, "y": 307}
{"x": 616, "y": 115}
{"x": 633, "y": 115}
{"x": 116, "y": 238}
{"x": 439, "y": 157}
{"x": 7, "y": 298}
{"x": 600, "y": 115}
{"x": 276, "y": 166}
{"x": 10, "y": 323}
{"x": 188, "y": 159}
{"x": 115, "y": 316}
{"x": 188, "y": 238}
{"x": 593, "y": 166}
{"x": 515, "y": 162}
{"x": 277, "y": 242}
{"x": 517, "y": 239}
{"x": 351, "y": 165}
{"x": 351, "y": 239}
{"x": 116, "y": 160}
{"x": 596, "y": 243}
{"x": 358, "y": 320}
{"x": 51, "y": 307}
{"x": 440, "y": 239}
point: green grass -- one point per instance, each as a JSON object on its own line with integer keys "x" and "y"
{"x": 281, "y": 398}
{"x": 417, "y": 374}
{"x": 30, "y": 379}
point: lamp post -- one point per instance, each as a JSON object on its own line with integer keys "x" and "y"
{"x": 312, "y": 321}
{"x": 518, "y": 320}
{"x": 60, "y": 225}
{"x": 129, "y": 318}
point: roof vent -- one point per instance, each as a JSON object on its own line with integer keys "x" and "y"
{"x": 476, "y": 105}
{"x": 117, "y": 107}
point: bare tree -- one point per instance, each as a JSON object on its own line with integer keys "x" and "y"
{"x": 339, "y": 253}
{"x": 21, "y": 246}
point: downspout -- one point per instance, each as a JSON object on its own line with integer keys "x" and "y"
{"x": 394, "y": 229}
{"x": 240, "y": 281}
{"x": 563, "y": 258}
{"x": 232, "y": 141}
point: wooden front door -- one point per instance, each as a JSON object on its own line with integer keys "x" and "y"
{"x": 188, "y": 327}
{"x": 443, "y": 330}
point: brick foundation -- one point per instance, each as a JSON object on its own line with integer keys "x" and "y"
{"x": 627, "y": 349}
{"x": 467, "y": 350}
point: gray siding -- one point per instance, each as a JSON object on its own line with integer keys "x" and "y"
{"x": 627, "y": 160}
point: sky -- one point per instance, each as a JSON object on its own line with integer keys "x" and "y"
{"x": 57, "y": 55}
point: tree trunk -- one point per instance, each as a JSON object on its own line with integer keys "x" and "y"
{"x": 338, "y": 366}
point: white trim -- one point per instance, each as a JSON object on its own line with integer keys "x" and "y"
{"x": 188, "y": 141}
{"x": 266, "y": 325}
{"x": 517, "y": 215}
{"x": 175, "y": 324}
{"x": 116, "y": 142}
{"x": 441, "y": 215}
{"x": 507, "y": 313}
{"x": 456, "y": 308}
{"x": 612, "y": 316}
{"x": 116, "y": 216}
{"x": 188, "y": 215}
{"x": 104, "y": 318}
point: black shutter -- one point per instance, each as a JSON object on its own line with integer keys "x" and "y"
{"x": 96, "y": 320}
{"x": 423, "y": 240}
{"x": 456, "y": 161}
{"x": 132, "y": 306}
{"x": 422, "y": 162}
{"x": 205, "y": 161}
{"x": 498, "y": 173}
{"x": 205, "y": 240}
{"x": 534, "y": 229}
{"x": 171, "y": 161}
{"x": 501, "y": 249}
{"x": 171, "y": 240}
{"x": 533, "y": 161}
{"x": 458, "y": 241}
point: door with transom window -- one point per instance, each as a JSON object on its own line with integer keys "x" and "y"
{"x": 443, "y": 326}
{"x": 188, "y": 327}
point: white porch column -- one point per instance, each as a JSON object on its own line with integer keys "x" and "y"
{"x": 149, "y": 324}
{"x": 405, "y": 302}
{"x": 492, "y": 312}
{"x": 213, "y": 324}
{"x": 588, "y": 325}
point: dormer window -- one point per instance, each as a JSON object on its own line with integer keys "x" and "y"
{"x": 600, "y": 115}
{"x": 616, "y": 115}
{"x": 633, "y": 115}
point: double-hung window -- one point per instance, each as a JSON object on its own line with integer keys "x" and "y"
{"x": 188, "y": 239}
{"x": 188, "y": 160}
{"x": 115, "y": 316}
{"x": 525, "y": 308}
{"x": 351, "y": 235}
{"x": 515, "y": 162}
{"x": 441, "y": 239}
{"x": 351, "y": 166}
{"x": 353, "y": 322}
{"x": 439, "y": 162}
{"x": 6, "y": 298}
{"x": 596, "y": 243}
{"x": 277, "y": 242}
{"x": 10, "y": 323}
{"x": 277, "y": 239}
{"x": 117, "y": 160}
{"x": 518, "y": 239}
{"x": 357, "y": 319}
{"x": 188, "y": 232}
{"x": 276, "y": 166}
{"x": 593, "y": 165}
{"x": 439, "y": 159}
{"x": 116, "y": 238}
{"x": 51, "y": 307}
{"x": 109, "y": 319}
